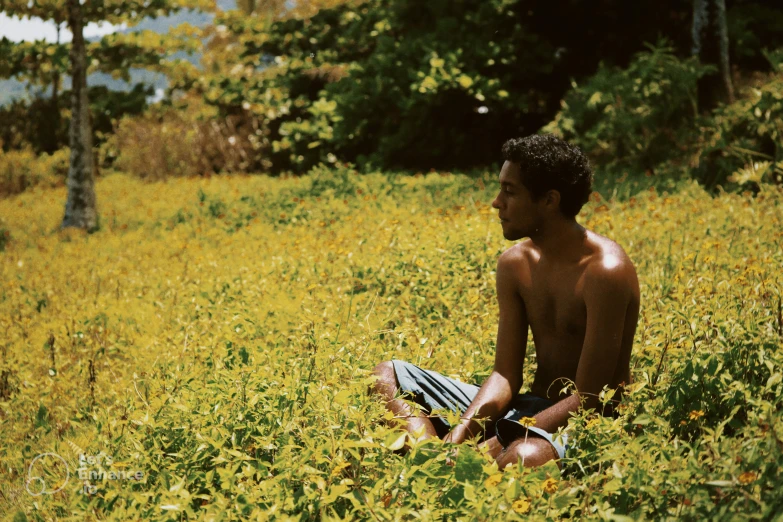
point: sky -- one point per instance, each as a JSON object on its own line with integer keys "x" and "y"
{"x": 29, "y": 30}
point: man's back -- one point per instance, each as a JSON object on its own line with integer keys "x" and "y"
{"x": 555, "y": 307}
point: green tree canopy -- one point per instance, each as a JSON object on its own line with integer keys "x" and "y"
{"x": 44, "y": 63}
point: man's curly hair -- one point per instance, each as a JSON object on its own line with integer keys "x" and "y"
{"x": 547, "y": 163}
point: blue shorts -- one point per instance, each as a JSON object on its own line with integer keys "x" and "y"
{"x": 434, "y": 391}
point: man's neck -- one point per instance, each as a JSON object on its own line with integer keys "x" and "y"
{"x": 560, "y": 240}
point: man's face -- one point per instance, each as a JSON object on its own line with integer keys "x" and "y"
{"x": 520, "y": 216}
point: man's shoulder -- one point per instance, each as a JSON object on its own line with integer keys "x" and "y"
{"x": 515, "y": 256}
{"x": 611, "y": 267}
{"x": 517, "y": 251}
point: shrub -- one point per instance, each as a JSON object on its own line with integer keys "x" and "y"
{"x": 42, "y": 126}
{"x": 306, "y": 140}
{"x": 153, "y": 147}
{"x": 753, "y": 27}
{"x": 642, "y": 115}
{"x": 743, "y": 144}
{"x": 36, "y": 124}
{"x": 173, "y": 142}
{"x": 22, "y": 169}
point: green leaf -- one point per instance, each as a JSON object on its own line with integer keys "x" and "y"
{"x": 643, "y": 420}
{"x": 469, "y": 465}
{"x": 470, "y": 492}
{"x": 465, "y": 81}
{"x": 395, "y": 441}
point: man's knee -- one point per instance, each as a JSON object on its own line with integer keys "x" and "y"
{"x": 386, "y": 382}
{"x": 532, "y": 452}
{"x": 494, "y": 447}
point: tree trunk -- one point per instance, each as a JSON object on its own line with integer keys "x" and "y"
{"x": 711, "y": 45}
{"x": 51, "y": 142}
{"x": 247, "y": 6}
{"x": 80, "y": 209}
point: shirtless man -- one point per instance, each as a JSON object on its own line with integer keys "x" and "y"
{"x": 576, "y": 290}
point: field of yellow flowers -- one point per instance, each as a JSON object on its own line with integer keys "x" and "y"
{"x": 206, "y": 354}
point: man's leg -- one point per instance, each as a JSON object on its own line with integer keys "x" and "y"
{"x": 494, "y": 447}
{"x": 532, "y": 452}
{"x": 386, "y": 386}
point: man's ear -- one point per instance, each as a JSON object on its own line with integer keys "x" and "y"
{"x": 552, "y": 199}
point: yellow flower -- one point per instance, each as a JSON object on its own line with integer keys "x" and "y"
{"x": 493, "y": 480}
{"x": 521, "y": 506}
{"x": 550, "y": 485}
{"x": 527, "y": 421}
{"x": 695, "y": 414}
{"x": 337, "y": 470}
{"x": 747, "y": 477}
{"x": 753, "y": 269}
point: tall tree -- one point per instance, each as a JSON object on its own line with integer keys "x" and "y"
{"x": 710, "y": 37}
{"x": 50, "y": 137}
{"x": 80, "y": 208}
{"x": 115, "y": 54}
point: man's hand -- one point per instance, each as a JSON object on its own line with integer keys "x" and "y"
{"x": 463, "y": 431}
{"x": 458, "y": 434}
{"x": 506, "y": 378}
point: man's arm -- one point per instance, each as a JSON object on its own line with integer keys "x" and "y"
{"x": 607, "y": 296}
{"x": 506, "y": 378}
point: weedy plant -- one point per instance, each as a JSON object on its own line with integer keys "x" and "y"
{"x": 217, "y": 335}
